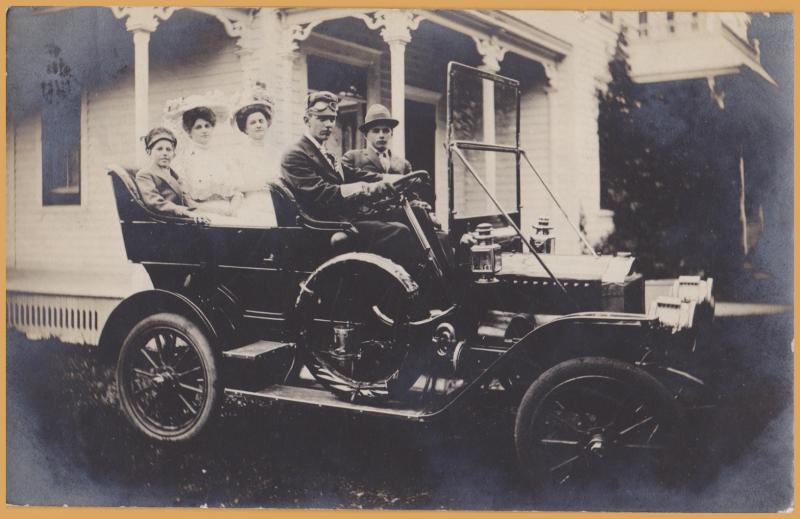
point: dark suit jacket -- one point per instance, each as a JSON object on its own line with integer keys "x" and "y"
{"x": 317, "y": 185}
{"x": 162, "y": 193}
{"x": 367, "y": 159}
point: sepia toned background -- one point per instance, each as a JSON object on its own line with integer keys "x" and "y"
{"x": 667, "y": 134}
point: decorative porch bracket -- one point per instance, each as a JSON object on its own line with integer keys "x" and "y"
{"x": 241, "y": 26}
{"x": 551, "y": 72}
{"x": 396, "y": 26}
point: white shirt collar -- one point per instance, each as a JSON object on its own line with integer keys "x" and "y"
{"x": 315, "y": 142}
{"x": 388, "y": 151}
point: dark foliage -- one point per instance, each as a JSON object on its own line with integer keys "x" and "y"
{"x": 669, "y": 172}
{"x": 673, "y": 159}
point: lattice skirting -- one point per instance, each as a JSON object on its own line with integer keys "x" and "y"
{"x": 72, "y": 319}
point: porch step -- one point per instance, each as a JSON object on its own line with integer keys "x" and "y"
{"x": 257, "y": 350}
{"x": 323, "y": 398}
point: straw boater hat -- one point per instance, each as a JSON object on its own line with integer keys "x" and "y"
{"x": 378, "y": 115}
{"x": 214, "y": 101}
{"x": 255, "y": 99}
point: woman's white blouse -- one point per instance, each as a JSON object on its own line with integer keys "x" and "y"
{"x": 207, "y": 174}
{"x": 258, "y": 165}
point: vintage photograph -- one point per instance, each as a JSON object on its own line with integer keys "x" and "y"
{"x": 399, "y": 259}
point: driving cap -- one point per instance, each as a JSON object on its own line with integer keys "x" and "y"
{"x": 378, "y": 115}
{"x": 159, "y": 134}
{"x": 322, "y": 103}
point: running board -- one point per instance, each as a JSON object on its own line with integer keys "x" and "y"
{"x": 324, "y": 398}
{"x": 257, "y": 350}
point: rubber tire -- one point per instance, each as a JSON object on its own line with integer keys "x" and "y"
{"x": 629, "y": 374}
{"x": 345, "y": 387}
{"x": 209, "y": 362}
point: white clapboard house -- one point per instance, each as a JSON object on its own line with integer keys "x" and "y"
{"x": 86, "y": 83}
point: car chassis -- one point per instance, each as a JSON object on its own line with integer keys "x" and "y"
{"x": 293, "y": 314}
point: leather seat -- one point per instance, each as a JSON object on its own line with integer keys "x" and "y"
{"x": 289, "y": 214}
{"x": 286, "y": 209}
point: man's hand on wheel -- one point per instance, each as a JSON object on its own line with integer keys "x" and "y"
{"x": 421, "y": 204}
{"x": 416, "y": 181}
{"x": 378, "y": 189}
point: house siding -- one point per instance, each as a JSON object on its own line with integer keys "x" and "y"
{"x": 574, "y": 158}
{"x": 88, "y": 237}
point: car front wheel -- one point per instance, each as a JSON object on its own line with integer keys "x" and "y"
{"x": 596, "y": 419}
{"x": 167, "y": 378}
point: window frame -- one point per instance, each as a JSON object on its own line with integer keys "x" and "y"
{"x": 83, "y": 183}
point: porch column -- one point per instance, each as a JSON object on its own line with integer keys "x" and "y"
{"x": 492, "y": 53}
{"x": 396, "y": 26}
{"x": 141, "y": 21}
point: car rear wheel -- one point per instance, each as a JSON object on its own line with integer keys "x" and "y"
{"x": 593, "y": 419}
{"x": 167, "y": 378}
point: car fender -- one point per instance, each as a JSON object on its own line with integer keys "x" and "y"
{"x": 615, "y": 335}
{"x": 547, "y": 345}
{"x": 367, "y": 258}
{"x": 142, "y": 304}
{"x": 633, "y": 338}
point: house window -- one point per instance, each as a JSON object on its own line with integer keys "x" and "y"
{"x": 671, "y": 21}
{"x": 642, "y": 23}
{"x": 61, "y": 151}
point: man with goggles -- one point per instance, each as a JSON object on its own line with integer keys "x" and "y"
{"x": 330, "y": 191}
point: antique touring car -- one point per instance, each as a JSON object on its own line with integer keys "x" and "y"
{"x": 293, "y": 314}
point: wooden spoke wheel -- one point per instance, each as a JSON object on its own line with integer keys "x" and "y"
{"x": 596, "y": 419}
{"x": 167, "y": 378}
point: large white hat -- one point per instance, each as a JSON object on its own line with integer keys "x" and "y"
{"x": 214, "y": 101}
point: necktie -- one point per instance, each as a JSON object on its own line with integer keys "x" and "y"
{"x": 332, "y": 161}
{"x": 385, "y": 162}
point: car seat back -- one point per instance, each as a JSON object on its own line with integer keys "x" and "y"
{"x": 286, "y": 209}
{"x": 126, "y": 193}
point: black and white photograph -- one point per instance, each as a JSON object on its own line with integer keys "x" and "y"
{"x": 399, "y": 259}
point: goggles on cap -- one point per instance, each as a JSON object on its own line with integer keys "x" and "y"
{"x": 320, "y": 101}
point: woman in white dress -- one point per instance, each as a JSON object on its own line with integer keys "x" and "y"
{"x": 257, "y": 161}
{"x": 210, "y": 182}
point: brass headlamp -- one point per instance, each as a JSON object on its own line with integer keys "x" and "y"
{"x": 485, "y": 255}
{"x": 542, "y": 241}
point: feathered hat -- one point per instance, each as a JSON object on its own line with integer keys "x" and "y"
{"x": 254, "y": 99}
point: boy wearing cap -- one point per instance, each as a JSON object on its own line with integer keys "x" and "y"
{"x": 378, "y": 129}
{"x": 327, "y": 190}
{"x": 158, "y": 183}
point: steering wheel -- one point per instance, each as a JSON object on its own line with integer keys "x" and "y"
{"x": 401, "y": 185}
{"x": 406, "y": 182}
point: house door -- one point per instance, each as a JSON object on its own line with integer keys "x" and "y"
{"x": 420, "y": 140}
